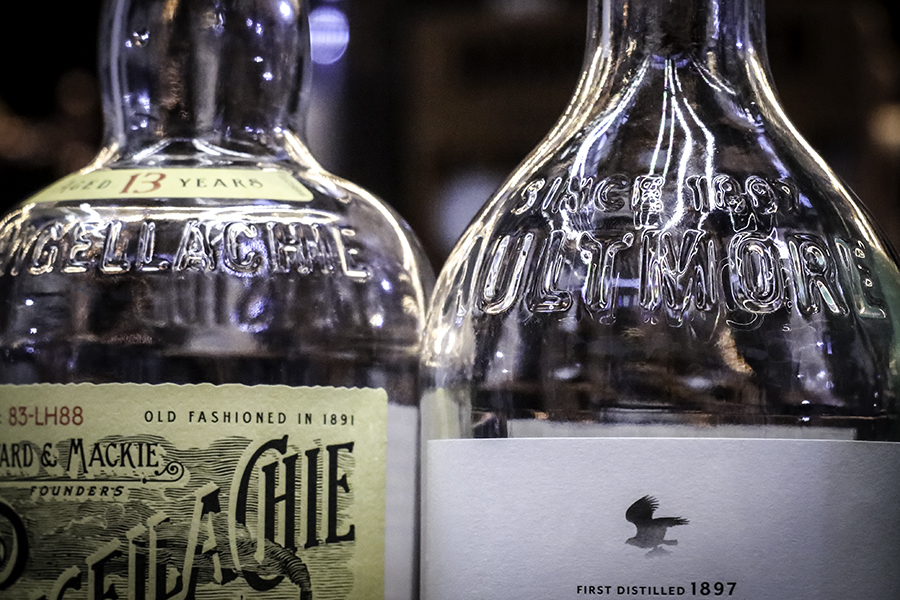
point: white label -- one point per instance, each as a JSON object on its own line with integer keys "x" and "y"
{"x": 742, "y": 519}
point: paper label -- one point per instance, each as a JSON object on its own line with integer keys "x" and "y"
{"x": 632, "y": 518}
{"x": 130, "y": 184}
{"x": 199, "y": 491}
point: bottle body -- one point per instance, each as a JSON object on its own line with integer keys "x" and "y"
{"x": 672, "y": 264}
{"x": 210, "y": 344}
{"x": 314, "y": 294}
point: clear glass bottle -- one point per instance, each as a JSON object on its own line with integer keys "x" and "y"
{"x": 274, "y": 309}
{"x": 672, "y": 324}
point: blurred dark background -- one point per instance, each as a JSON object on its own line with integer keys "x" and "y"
{"x": 430, "y": 103}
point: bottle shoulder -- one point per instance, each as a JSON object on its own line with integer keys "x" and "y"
{"x": 300, "y": 269}
{"x": 236, "y": 204}
{"x": 613, "y": 270}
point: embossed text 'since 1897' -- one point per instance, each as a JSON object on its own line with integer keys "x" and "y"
{"x": 759, "y": 271}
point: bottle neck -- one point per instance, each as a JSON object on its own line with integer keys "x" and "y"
{"x": 723, "y": 39}
{"x": 222, "y": 74}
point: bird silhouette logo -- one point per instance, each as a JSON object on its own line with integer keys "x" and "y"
{"x": 651, "y": 533}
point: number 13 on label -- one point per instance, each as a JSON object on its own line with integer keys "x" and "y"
{"x": 143, "y": 183}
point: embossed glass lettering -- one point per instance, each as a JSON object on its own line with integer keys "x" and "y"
{"x": 194, "y": 251}
{"x": 602, "y": 276}
{"x": 13, "y": 246}
{"x": 529, "y": 196}
{"x": 77, "y": 260}
{"x": 46, "y": 249}
{"x": 814, "y": 273}
{"x": 114, "y": 261}
{"x": 241, "y": 247}
{"x": 236, "y": 257}
{"x": 678, "y": 274}
{"x": 463, "y": 282}
{"x": 646, "y": 200}
{"x": 610, "y": 194}
{"x": 547, "y": 298}
{"x": 503, "y": 281}
{"x": 756, "y": 282}
{"x": 676, "y": 267}
{"x": 146, "y": 261}
{"x": 849, "y": 257}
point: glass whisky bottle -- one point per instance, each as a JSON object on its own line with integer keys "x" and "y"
{"x": 672, "y": 334}
{"x": 209, "y": 345}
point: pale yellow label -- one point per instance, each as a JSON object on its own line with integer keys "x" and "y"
{"x": 199, "y": 490}
{"x": 131, "y": 184}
